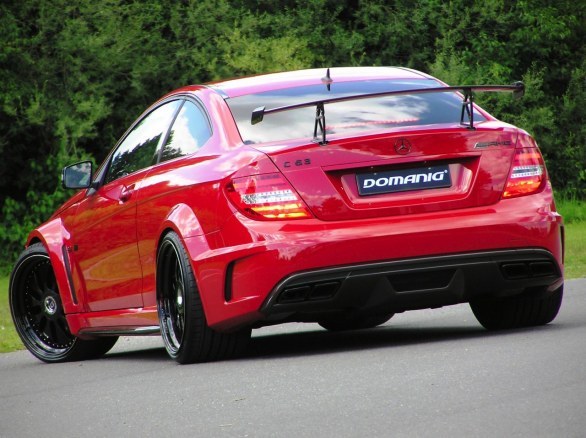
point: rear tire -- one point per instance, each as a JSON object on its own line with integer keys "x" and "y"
{"x": 499, "y": 313}
{"x": 38, "y": 314}
{"x": 186, "y": 334}
{"x": 354, "y": 323}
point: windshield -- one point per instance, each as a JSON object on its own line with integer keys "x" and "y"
{"x": 345, "y": 117}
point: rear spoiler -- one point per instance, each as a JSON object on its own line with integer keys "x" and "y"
{"x": 517, "y": 88}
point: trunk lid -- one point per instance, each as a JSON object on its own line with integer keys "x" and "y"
{"x": 399, "y": 173}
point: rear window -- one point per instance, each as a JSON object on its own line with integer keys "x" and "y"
{"x": 345, "y": 117}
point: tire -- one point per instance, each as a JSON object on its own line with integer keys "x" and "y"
{"x": 37, "y": 312}
{"x": 186, "y": 335}
{"x": 530, "y": 309}
{"x": 354, "y": 323}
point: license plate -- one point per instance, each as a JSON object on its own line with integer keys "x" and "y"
{"x": 403, "y": 180}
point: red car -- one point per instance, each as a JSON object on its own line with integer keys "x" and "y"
{"x": 339, "y": 197}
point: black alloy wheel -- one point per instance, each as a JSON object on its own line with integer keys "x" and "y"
{"x": 38, "y": 314}
{"x": 186, "y": 335}
{"x": 171, "y": 298}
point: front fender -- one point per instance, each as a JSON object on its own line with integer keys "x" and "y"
{"x": 56, "y": 240}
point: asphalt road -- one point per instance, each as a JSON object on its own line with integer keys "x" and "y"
{"x": 433, "y": 373}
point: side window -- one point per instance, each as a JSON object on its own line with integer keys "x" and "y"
{"x": 190, "y": 131}
{"x": 139, "y": 147}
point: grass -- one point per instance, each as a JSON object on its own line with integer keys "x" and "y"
{"x": 9, "y": 340}
{"x": 575, "y": 218}
{"x": 573, "y": 211}
{"x": 575, "y": 266}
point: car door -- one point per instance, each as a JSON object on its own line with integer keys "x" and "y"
{"x": 170, "y": 184}
{"x": 104, "y": 230}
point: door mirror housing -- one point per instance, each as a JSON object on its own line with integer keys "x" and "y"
{"x": 78, "y": 175}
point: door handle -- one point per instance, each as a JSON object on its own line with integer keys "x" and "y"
{"x": 126, "y": 193}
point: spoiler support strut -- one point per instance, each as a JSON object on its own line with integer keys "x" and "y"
{"x": 517, "y": 88}
{"x": 468, "y": 108}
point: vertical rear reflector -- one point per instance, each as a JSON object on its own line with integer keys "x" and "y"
{"x": 268, "y": 196}
{"x": 527, "y": 174}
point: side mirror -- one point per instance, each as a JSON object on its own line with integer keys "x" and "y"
{"x": 77, "y": 176}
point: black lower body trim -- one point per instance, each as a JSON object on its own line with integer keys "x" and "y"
{"x": 120, "y": 331}
{"x": 399, "y": 285}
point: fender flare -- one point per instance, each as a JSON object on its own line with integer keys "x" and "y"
{"x": 183, "y": 221}
{"x": 56, "y": 240}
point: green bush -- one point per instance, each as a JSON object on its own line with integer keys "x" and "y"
{"x": 74, "y": 74}
{"x": 572, "y": 210}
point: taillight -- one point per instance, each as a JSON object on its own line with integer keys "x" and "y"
{"x": 268, "y": 196}
{"x": 527, "y": 174}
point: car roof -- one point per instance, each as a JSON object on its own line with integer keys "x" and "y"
{"x": 276, "y": 81}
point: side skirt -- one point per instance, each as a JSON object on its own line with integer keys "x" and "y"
{"x": 120, "y": 331}
{"x": 122, "y": 322}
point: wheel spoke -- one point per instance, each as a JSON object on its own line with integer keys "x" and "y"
{"x": 179, "y": 320}
{"x": 52, "y": 332}
{"x": 61, "y": 335}
{"x": 37, "y": 308}
{"x": 41, "y": 321}
{"x": 51, "y": 285}
{"x": 35, "y": 304}
{"x": 35, "y": 289}
{"x": 46, "y": 278}
{"x": 173, "y": 308}
{"x": 172, "y": 296}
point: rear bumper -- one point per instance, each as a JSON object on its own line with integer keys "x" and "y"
{"x": 399, "y": 263}
{"x": 396, "y": 286}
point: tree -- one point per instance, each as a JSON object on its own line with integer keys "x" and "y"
{"x": 74, "y": 74}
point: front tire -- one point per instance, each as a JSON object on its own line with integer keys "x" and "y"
{"x": 38, "y": 315}
{"x": 186, "y": 335}
{"x": 525, "y": 310}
